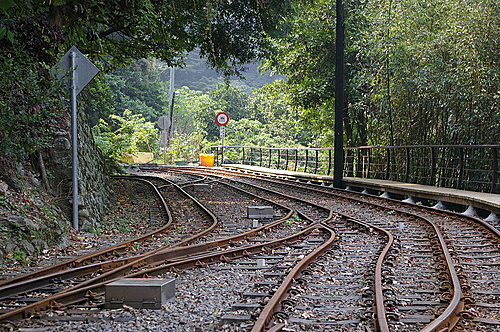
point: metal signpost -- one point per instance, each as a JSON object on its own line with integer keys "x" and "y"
{"x": 82, "y": 72}
{"x": 222, "y": 119}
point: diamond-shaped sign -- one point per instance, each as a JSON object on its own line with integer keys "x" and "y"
{"x": 85, "y": 70}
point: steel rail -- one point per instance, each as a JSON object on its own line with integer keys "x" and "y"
{"x": 41, "y": 281}
{"x": 214, "y": 224}
{"x": 448, "y": 317}
{"x": 273, "y": 305}
{"x": 378, "y": 289}
{"x": 161, "y": 256}
{"x": 177, "y": 252}
{"x": 492, "y": 229}
{"x": 43, "y": 278}
{"x": 80, "y": 294}
{"x": 91, "y": 257}
{"x": 274, "y": 192}
{"x": 485, "y": 224}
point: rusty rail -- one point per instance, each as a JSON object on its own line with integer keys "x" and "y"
{"x": 378, "y": 289}
{"x": 118, "y": 266}
{"x": 273, "y": 305}
{"x": 76, "y": 295}
{"x": 449, "y": 317}
{"x": 92, "y": 257}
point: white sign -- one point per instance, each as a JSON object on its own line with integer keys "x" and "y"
{"x": 222, "y": 132}
{"x": 222, "y": 118}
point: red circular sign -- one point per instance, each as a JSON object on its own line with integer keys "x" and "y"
{"x": 222, "y": 118}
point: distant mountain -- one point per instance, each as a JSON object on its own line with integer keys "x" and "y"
{"x": 197, "y": 75}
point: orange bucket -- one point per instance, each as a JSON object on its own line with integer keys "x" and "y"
{"x": 207, "y": 160}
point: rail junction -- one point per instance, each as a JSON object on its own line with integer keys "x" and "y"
{"x": 326, "y": 259}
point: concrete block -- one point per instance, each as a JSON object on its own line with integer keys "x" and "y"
{"x": 260, "y": 212}
{"x": 143, "y": 293}
{"x": 198, "y": 187}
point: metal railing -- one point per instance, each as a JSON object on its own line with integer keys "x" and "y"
{"x": 468, "y": 167}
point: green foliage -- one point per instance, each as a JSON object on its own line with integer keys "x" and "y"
{"x": 35, "y": 34}
{"x": 430, "y": 66}
{"x": 18, "y": 256}
{"x": 186, "y": 147}
{"x": 129, "y": 133}
{"x": 28, "y": 102}
{"x": 228, "y": 34}
{"x": 138, "y": 87}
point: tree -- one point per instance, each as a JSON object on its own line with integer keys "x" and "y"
{"x": 129, "y": 133}
{"x": 136, "y": 87}
{"x": 113, "y": 33}
{"x": 228, "y": 33}
{"x": 428, "y": 66}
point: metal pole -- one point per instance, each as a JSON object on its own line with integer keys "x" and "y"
{"x": 172, "y": 99}
{"x": 164, "y": 150}
{"x": 74, "y": 139}
{"x": 494, "y": 169}
{"x": 338, "y": 166}
{"x": 222, "y": 156}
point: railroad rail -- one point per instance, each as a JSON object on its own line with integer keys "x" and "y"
{"x": 455, "y": 305}
{"x": 334, "y": 259}
{"x": 31, "y": 282}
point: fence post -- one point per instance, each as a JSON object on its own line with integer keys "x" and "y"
{"x": 270, "y": 154}
{"x": 260, "y": 153}
{"x": 494, "y": 177}
{"x": 350, "y": 169}
{"x": 307, "y": 160}
{"x": 407, "y": 171}
{"x": 388, "y": 164}
{"x": 316, "y": 166}
{"x": 432, "y": 177}
{"x": 359, "y": 171}
{"x": 279, "y": 159}
{"x": 286, "y": 164}
{"x": 369, "y": 162}
{"x": 296, "y": 160}
{"x": 329, "y": 161}
{"x": 461, "y": 169}
{"x": 243, "y": 157}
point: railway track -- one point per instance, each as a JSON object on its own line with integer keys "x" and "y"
{"x": 108, "y": 274}
{"x": 328, "y": 260}
{"x": 475, "y": 249}
{"x": 427, "y": 303}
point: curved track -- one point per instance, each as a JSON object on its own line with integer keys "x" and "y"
{"x": 327, "y": 260}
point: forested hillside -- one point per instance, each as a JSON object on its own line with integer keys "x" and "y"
{"x": 196, "y": 74}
